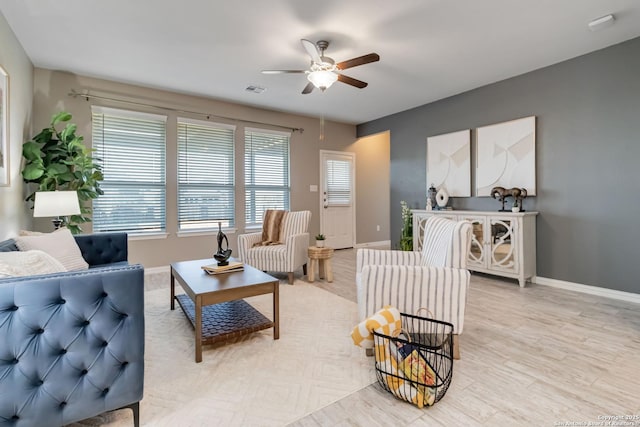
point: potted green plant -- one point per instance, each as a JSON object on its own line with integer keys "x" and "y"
{"x": 320, "y": 238}
{"x": 58, "y": 160}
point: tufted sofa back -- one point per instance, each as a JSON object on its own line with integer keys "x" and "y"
{"x": 97, "y": 249}
{"x": 71, "y": 345}
{"x": 104, "y": 248}
{"x": 8, "y": 246}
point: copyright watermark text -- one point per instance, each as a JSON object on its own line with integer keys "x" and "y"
{"x": 603, "y": 420}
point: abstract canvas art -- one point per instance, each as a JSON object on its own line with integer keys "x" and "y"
{"x": 449, "y": 163}
{"x": 4, "y": 128}
{"x": 506, "y": 156}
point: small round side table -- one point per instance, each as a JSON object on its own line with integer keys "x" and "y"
{"x": 320, "y": 262}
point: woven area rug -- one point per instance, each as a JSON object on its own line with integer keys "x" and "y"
{"x": 254, "y": 380}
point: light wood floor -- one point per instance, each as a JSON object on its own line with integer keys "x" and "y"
{"x": 537, "y": 356}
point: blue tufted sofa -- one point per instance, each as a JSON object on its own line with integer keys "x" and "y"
{"x": 72, "y": 344}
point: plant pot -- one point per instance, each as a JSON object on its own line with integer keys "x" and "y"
{"x": 320, "y": 243}
{"x": 515, "y": 209}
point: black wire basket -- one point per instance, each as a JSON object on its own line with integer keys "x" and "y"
{"x": 416, "y": 364}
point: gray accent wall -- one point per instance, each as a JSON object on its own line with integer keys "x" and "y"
{"x": 587, "y": 153}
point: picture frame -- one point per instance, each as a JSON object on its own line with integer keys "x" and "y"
{"x": 506, "y": 156}
{"x": 449, "y": 162}
{"x": 4, "y": 128}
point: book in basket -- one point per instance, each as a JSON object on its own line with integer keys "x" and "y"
{"x": 229, "y": 268}
{"x": 417, "y": 368}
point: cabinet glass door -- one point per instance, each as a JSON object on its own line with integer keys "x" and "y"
{"x": 418, "y": 228}
{"x": 418, "y": 231}
{"x": 502, "y": 244}
{"x": 477, "y": 255}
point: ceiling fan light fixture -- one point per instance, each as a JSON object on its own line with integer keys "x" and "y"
{"x": 322, "y": 79}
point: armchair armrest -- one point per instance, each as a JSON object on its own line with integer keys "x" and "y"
{"x": 297, "y": 245}
{"x": 385, "y": 257}
{"x": 246, "y": 242}
{"x": 442, "y": 290}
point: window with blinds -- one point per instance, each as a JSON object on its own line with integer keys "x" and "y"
{"x": 206, "y": 193}
{"x": 130, "y": 146}
{"x": 338, "y": 185}
{"x": 266, "y": 165}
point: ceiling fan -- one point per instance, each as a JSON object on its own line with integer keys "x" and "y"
{"x": 324, "y": 71}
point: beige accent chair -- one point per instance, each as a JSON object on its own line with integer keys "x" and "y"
{"x": 436, "y": 278}
{"x": 288, "y": 257}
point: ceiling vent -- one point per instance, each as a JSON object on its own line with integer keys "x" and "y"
{"x": 255, "y": 89}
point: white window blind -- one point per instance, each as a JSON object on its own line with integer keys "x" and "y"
{"x": 130, "y": 147}
{"x": 266, "y": 163}
{"x": 206, "y": 193}
{"x": 338, "y": 185}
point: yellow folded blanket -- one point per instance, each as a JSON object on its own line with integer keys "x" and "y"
{"x": 386, "y": 321}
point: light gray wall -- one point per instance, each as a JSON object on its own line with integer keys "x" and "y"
{"x": 14, "y": 214}
{"x": 50, "y": 95}
{"x": 372, "y": 188}
{"x": 588, "y": 160}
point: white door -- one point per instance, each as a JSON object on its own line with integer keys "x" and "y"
{"x": 337, "y": 209}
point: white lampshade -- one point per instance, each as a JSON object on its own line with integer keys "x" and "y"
{"x": 56, "y": 203}
{"x": 322, "y": 79}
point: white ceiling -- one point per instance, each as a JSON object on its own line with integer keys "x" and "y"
{"x": 429, "y": 49}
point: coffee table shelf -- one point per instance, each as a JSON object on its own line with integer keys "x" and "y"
{"x": 225, "y": 320}
{"x": 215, "y": 306}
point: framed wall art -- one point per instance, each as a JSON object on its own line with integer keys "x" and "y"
{"x": 449, "y": 162}
{"x": 4, "y": 128}
{"x": 506, "y": 156}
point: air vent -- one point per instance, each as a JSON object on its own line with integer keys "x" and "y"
{"x": 255, "y": 89}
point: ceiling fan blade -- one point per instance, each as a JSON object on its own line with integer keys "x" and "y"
{"x": 308, "y": 88}
{"x": 312, "y": 50}
{"x": 282, "y": 71}
{"x": 361, "y": 60}
{"x": 351, "y": 81}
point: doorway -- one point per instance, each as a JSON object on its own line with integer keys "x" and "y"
{"x": 338, "y": 201}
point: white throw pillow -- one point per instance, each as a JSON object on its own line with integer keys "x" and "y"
{"x": 30, "y": 233}
{"x": 60, "y": 244}
{"x": 29, "y": 263}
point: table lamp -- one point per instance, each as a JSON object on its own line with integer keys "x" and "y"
{"x": 56, "y": 204}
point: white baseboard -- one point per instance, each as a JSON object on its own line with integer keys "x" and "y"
{"x": 587, "y": 289}
{"x": 385, "y": 243}
{"x": 157, "y": 270}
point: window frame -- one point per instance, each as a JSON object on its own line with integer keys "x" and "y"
{"x": 213, "y": 125}
{"x": 334, "y": 195}
{"x": 161, "y": 231}
{"x": 248, "y": 186}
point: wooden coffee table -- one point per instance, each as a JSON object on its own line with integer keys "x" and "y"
{"x": 214, "y": 305}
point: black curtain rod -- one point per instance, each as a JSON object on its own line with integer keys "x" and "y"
{"x": 88, "y": 96}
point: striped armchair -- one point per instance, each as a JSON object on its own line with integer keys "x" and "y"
{"x": 436, "y": 278}
{"x": 289, "y": 256}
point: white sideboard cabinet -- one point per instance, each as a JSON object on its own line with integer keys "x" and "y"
{"x": 502, "y": 243}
